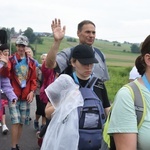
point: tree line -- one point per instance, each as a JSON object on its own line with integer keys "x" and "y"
{"x": 36, "y": 38}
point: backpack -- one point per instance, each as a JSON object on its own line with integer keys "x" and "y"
{"x": 91, "y": 117}
{"x": 69, "y": 68}
{"x": 140, "y": 109}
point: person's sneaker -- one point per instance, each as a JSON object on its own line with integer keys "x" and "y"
{"x": 36, "y": 125}
{"x": 4, "y": 129}
{"x": 42, "y": 126}
{"x": 13, "y": 149}
{"x": 17, "y": 147}
{"x": 39, "y": 139}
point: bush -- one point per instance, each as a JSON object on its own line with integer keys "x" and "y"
{"x": 119, "y": 76}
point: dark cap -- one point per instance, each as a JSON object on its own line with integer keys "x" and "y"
{"x": 84, "y": 54}
{"x": 3, "y": 47}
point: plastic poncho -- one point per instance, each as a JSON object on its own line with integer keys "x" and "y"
{"x": 62, "y": 132}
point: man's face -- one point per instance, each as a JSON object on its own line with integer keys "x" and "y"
{"x": 87, "y": 34}
{"x": 21, "y": 49}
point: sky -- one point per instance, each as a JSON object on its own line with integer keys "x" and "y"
{"x": 115, "y": 20}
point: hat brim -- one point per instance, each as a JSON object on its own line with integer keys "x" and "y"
{"x": 22, "y": 43}
{"x": 88, "y": 61}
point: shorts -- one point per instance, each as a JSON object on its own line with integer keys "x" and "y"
{"x": 20, "y": 112}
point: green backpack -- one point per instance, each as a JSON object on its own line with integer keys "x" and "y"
{"x": 140, "y": 109}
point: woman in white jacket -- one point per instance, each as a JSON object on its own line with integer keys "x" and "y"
{"x": 62, "y": 132}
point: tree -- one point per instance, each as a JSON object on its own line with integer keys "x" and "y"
{"x": 31, "y": 36}
{"x": 70, "y": 39}
{"x": 39, "y": 40}
{"x": 135, "y": 48}
{"x": 118, "y": 44}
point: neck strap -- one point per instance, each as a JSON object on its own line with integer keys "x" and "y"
{"x": 89, "y": 84}
{"x": 146, "y": 82}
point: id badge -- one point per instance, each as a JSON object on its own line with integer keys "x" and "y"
{"x": 23, "y": 83}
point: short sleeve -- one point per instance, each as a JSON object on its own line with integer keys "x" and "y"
{"x": 62, "y": 59}
{"x": 123, "y": 116}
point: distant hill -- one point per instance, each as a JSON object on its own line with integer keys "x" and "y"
{"x": 117, "y": 54}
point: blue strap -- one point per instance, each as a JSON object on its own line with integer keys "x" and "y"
{"x": 75, "y": 78}
{"x": 77, "y": 81}
{"x": 89, "y": 84}
{"x": 16, "y": 59}
{"x": 146, "y": 82}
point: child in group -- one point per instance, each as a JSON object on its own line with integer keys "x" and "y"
{"x": 48, "y": 76}
{"x": 5, "y": 88}
{"x": 4, "y": 103}
{"x": 41, "y": 98}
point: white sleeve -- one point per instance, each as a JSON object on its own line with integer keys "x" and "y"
{"x": 134, "y": 73}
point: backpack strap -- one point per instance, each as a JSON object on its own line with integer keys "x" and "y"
{"x": 99, "y": 53}
{"x": 139, "y": 102}
{"x": 91, "y": 82}
{"x": 140, "y": 110}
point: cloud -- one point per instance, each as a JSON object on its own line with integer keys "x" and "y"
{"x": 115, "y": 20}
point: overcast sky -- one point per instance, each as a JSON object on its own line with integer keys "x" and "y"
{"x": 115, "y": 20}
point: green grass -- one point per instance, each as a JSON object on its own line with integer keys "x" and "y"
{"x": 119, "y": 76}
{"x": 112, "y": 53}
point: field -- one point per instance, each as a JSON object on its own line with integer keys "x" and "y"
{"x": 119, "y": 60}
{"x": 115, "y": 55}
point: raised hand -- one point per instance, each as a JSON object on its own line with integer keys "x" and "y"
{"x": 58, "y": 31}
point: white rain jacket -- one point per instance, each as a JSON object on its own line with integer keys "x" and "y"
{"x": 62, "y": 132}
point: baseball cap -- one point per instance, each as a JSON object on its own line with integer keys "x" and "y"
{"x": 23, "y": 40}
{"x": 84, "y": 54}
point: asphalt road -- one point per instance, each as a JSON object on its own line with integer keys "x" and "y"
{"x": 28, "y": 140}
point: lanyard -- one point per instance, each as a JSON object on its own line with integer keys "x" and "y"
{"x": 146, "y": 82}
{"x": 75, "y": 78}
{"x": 77, "y": 81}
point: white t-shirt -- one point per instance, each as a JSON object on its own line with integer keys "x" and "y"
{"x": 134, "y": 74}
